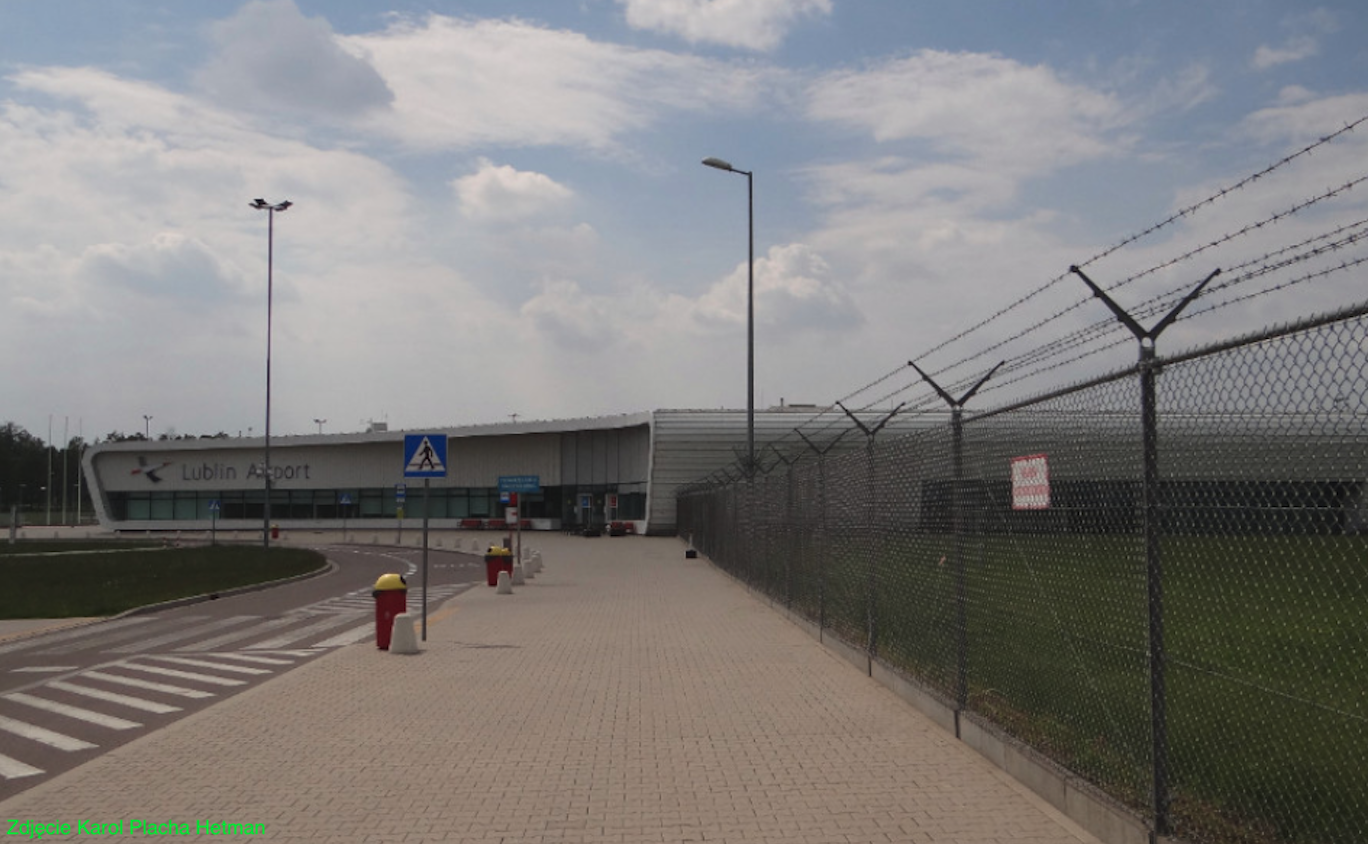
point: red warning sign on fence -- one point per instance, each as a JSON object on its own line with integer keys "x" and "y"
{"x": 1030, "y": 482}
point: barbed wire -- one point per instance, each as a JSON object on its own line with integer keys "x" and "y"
{"x": 1106, "y": 334}
{"x": 1224, "y": 239}
{"x": 1163, "y": 302}
{"x": 1185, "y": 212}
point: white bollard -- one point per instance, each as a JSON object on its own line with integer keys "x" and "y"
{"x": 403, "y": 640}
{"x": 505, "y": 584}
{"x": 518, "y": 577}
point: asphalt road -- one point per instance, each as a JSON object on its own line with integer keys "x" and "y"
{"x": 71, "y": 695}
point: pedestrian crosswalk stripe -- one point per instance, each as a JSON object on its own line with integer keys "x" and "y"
{"x": 102, "y": 628}
{"x": 183, "y": 633}
{"x": 99, "y": 719}
{"x": 105, "y": 639}
{"x": 238, "y": 635}
{"x": 260, "y": 660}
{"x": 292, "y": 636}
{"x": 348, "y": 638}
{"x": 179, "y": 691}
{"x": 115, "y": 697}
{"x": 300, "y": 652}
{"x": 13, "y": 769}
{"x": 204, "y": 663}
{"x": 42, "y": 736}
{"x": 183, "y": 675}
{"x": 44, "y": 669}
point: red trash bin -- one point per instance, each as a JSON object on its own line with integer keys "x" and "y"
{"x": 497, "y": 560}
{"x": 391, "y": 599}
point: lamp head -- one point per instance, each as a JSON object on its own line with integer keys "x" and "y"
{"x": 718, "y": 163}
{"x": 263, "y": 205}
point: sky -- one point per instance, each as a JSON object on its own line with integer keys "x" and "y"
{"x": 500, "y": 212}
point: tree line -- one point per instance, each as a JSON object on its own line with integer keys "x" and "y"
{"x": 31, "y": 468}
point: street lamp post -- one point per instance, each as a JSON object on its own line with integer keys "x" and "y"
{"x": 147, "y": 427}
{"x": 320, "y": 424}
{"x": 270, "y": 209}
{"x": 719, "y": 164}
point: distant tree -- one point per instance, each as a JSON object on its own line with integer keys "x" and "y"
{"x": 24, "y": 468}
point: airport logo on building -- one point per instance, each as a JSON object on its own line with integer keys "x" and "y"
{"x": 149, "y": 471}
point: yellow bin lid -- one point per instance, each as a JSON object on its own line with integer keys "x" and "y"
{"x": 390, "y": 583}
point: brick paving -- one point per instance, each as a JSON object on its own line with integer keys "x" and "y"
{"x": 625, "y": 694}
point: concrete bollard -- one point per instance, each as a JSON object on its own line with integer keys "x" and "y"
{"x": 403, "y": 640}
{"x": 519, "y": 578}
{"x": 505, "y": 584}
{"x": 475, "y": 545}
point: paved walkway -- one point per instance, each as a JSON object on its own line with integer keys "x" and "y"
{"x": 625, "y": 694}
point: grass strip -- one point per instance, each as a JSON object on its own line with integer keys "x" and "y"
{"x": 66, "y": 585}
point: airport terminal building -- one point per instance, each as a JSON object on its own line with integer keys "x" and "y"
{"x": 635, "y": 461}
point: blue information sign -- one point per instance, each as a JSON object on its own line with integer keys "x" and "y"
{"x": 425, "y": 455}
{"x": 519, "y": 483}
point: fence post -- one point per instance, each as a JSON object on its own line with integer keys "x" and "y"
{"x": 824, "y": 543}
{"x": 1149, "y": 436}
{"x": 1149, "y": 423}
{"x": 790, "y": 546}
{"x": 870, "y": 606}
{"x": 961, "y": 612}
{"x": 957, "y": 530}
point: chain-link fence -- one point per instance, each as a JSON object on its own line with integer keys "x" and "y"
{"x": 1159, "y": 581}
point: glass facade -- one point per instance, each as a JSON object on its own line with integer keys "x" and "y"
{"x": 373, "y": 503}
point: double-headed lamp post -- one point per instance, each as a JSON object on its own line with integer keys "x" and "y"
{"x": 270, "y": 209}
{"x": 750, "y": 309}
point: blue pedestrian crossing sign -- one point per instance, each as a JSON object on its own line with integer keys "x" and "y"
{"x": 425, "y": 455}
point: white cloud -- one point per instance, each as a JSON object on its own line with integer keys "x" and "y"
{"x": 500, "y": 193}
{"x": 1001, "y": 113}
{"x": 572, "y": 318}
{"x": 1294, "y": 95}
{"x": 752, "y": 24}
{"x": 460, "y": 83}
{"x": 270, "y": 56}
{"x": 794, "y": 294}
{"x": 169, "y": 266}
{"x": 1295, "y": 49}
{"x": 795, "y": 297}
{"x": 134, "y": 267}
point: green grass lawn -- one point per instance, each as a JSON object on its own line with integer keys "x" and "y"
{"x": 1267, "y": 644}
{"x": 115, "y": 577}
{"x": 57, "y": 546}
